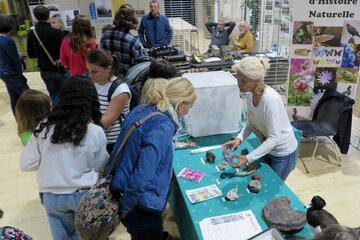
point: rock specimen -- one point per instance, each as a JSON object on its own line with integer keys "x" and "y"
{"x": 252, "y": 167}
{"x": 254, "y": 186}
{"x": 256, "y": 176}
{"x": 232, "y": 195}
{"x": 279, "y": 214}
{"x": 221, "y": 166}
{"x": 210, "y": 157}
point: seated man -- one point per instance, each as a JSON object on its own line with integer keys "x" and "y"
{"x": 245, "y": 41}
{"x": 220, "y": 33}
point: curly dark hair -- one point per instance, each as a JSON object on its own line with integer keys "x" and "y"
{"x": 125, "y": 17}
{"x": 77, "y": 107}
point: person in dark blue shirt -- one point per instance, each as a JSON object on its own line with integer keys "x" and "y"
{"x": 154, "y": 30}
{"x": 10, "y": 64}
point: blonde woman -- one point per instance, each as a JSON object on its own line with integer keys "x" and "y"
{"x": 142, "y": 177}
{"x": 150, "y": 90}
{"x": 57, "y": 23}
{"x": 267, "y": 118}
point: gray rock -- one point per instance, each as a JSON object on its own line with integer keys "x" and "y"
{"x": 232, "y": 195}
{"x": 254, "y": 186}
{"x": 279, "y": 214}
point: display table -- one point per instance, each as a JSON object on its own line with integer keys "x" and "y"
{"x": 189, "y": 215}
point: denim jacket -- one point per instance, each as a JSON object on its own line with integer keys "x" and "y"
{"x": 143, "y": 172}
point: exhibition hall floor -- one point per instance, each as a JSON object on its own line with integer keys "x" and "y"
{"x": 339, "y": 186}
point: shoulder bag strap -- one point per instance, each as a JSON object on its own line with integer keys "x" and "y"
{"x": 109, "y": 167}
{"x": 43, "y": 47}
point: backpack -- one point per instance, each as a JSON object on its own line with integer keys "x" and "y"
{"x": 135, "y": 93}
{"x": 11, "y": 233}
{"x": 138, "y": 74}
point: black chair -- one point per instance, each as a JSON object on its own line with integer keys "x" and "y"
{"x": 324, "y": 125}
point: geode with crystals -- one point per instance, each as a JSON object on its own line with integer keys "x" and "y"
{"x": 279, "y": 214}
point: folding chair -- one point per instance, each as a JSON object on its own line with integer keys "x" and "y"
{"x": 324, "y": 125}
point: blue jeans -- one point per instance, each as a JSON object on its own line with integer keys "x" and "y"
{"x": 15, "y": 85}
{"x": 53, "y": 82}
{"x": 60, "y": 210}
{"x": 282, "y": 165}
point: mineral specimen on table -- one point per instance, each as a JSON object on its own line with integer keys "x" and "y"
{"x": 279, "y": 214}
{"x": 252, "y": 167}
{"x": 210, "y": 157}
{"x": 254, "y": 186}
{"x": 256, "y": 176}
{"x": 232, "y": 195}
{"x": 221, "y": 166}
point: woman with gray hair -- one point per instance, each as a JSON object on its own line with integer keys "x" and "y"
{"x": 267, "y": 118}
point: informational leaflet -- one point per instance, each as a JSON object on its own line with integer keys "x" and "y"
{"x": 190, "y": 174}
{"x": 235, "y": 226}
{"x": 204, "y": 193}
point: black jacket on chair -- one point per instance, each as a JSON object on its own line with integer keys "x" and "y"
{"x": 342, "y": 138}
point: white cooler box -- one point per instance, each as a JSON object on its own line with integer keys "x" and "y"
{"x": 217, "y": 107}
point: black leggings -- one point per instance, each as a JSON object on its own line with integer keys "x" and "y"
{"x": 143, "y": 225}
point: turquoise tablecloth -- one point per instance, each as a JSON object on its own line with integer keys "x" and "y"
{"x": 189, "y": 215}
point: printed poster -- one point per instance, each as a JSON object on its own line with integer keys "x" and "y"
{"x": 325, "y": 53}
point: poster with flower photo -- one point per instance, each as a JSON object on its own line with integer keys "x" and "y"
{"x": 301, "y": 82}
{"x": 325, "y": 78}
{"x": 331, "y": 46}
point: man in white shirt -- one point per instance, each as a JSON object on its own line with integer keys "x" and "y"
{"x": 267, "y": 119}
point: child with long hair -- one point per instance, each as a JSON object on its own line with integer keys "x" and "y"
{"x": 68, "y": 149}
{"x": 142, "y": 176}
{"x": 75, "y": 47}
{"x": 30, "y": 108}
{"x": 102, "y": 71}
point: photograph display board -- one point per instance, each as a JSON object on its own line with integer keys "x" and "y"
{"x": 103, "y": 11}
{"x": 325, "y": 52}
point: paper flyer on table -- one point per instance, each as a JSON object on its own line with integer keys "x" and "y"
{"x": 204, "y": 193}
{"x": 235, "y": 226}
{"x": 190, "y": 174}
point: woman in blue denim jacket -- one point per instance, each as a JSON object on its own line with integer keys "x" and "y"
{"x": 143, "y": 172}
